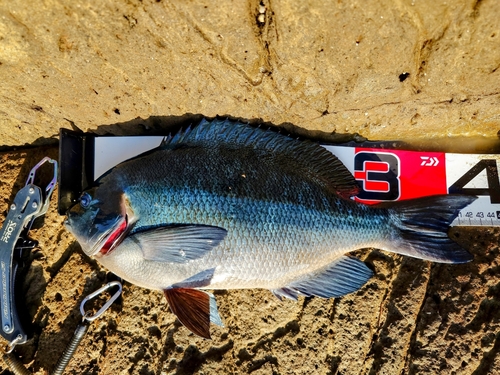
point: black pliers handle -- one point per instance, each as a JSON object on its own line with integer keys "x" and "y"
{"x": 30, "y": 202}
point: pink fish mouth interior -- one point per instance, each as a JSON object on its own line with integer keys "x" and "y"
{"x": 115, "y": 238}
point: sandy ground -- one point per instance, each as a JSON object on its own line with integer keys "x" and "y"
{"x": 397, "y": 69}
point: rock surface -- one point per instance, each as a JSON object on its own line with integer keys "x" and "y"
{"x": 404, "y": 70}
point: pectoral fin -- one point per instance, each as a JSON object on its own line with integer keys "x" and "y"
{"x": 344, "y": 276}
{"x": 195, "y": 309}
{"x": 178, "y": 243}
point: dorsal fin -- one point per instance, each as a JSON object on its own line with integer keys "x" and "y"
{"x": 304, "y": 153}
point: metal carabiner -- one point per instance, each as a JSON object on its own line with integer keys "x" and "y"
{"x": 51, "y": 185}
{"x": 12, "y": 345}
{"x": 106, "y": 305}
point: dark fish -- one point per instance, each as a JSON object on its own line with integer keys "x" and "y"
{"x": 226, "y": 205}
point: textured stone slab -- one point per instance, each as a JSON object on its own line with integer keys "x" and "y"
{"x": 399, "y": 69}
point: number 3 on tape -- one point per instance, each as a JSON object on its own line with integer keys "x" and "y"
{"x": 378, "y": 175}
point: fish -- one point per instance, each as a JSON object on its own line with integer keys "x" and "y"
{"x": 225, "y": 205}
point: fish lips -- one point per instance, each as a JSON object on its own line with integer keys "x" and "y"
{"x": 104, "y": 234}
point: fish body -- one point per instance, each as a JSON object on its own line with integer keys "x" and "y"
{"x": 275, "y": 233}
{"x": 229, "y": 206}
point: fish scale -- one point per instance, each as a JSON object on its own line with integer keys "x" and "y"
{"x": 225, "y": 205}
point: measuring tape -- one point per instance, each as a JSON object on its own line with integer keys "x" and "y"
{"x": 390, "y": 175}
{"x": 384, "y": 174}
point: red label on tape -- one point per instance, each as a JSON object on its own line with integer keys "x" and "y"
{"x": 397, "y": 174}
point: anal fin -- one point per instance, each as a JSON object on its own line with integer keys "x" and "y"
{"x": 286, "y": 292}
{"x": 345, "y": 275}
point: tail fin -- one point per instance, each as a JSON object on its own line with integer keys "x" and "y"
{"x": 421, "y": 227}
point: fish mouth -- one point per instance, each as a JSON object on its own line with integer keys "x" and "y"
{"x": 111, "y": 238}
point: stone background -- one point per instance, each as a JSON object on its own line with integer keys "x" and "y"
{"x": 397, "y": 69}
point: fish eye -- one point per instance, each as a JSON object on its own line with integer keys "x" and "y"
{"x": 85, "y": 200}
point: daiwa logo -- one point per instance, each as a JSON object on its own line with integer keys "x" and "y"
{"x": 11, "y": 226}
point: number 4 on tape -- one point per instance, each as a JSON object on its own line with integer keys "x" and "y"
{"x": 493, "y": 188}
